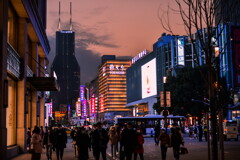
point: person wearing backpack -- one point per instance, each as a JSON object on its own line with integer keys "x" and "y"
{"x": 176, "y": 140}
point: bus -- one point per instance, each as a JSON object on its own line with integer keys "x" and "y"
{"x": 148, "y": 122}
{"x": 230, "y": 130}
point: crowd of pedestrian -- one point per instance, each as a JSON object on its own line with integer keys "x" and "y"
{"x": 126, "y": 142}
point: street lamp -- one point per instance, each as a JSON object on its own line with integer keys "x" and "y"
{"x": 165, "y": 112}
{"x": 217, "y": 53}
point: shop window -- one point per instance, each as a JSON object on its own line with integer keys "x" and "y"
{"x": 11, "y": 113}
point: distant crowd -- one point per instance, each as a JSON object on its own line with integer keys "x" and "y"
{"x": 126, "y": 142}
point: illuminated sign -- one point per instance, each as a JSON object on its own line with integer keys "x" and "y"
{"x": 82, "y": 88}
{"x": 139, "y": 56}
{"x": 49, "y": 109}
{"x": 66, "y": 31}
{"x": 117, "y": 69}
{"x": 114, "y": 69}
{"x": 149, "y": 79}
{"x": 84, "y": 108}
{"x": 78, "y": 107}
{"x": 180, "y": 46}
{"x": 101, "y": 104}
{"x": 93, "y": 104}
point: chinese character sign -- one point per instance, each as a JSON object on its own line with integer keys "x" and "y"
{"x": 82, "y": 87}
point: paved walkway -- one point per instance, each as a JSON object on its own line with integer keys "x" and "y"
{"x": 197, "y": 151}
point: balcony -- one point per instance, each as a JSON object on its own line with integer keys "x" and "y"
{"x": 13, "y": 61}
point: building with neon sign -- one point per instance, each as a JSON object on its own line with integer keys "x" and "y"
{"x": 112, "y": 89}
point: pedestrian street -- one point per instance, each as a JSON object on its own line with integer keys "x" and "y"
{"x": 197, "y": 151}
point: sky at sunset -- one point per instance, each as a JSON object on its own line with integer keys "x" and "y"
{"x": 116, "y": 27}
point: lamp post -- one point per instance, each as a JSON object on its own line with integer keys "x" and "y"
{"x": 217, "y": 52}
{"x": 165, "y": 113}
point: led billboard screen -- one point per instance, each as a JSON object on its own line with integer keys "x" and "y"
{"x": 149, "y": 79}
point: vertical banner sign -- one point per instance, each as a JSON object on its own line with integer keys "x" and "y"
{"x": 84, "y": 108}
{"x": 92, "y": 105}
{"x": 236, "y": 55}
{"x": 82, "y": 88}
{"x": 180, "y": 49}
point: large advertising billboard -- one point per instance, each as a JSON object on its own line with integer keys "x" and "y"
{"x": 180, "y": 48}
{"x": 149, "y": 79}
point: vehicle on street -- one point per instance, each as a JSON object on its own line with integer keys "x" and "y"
{"x": 230, "y": 130}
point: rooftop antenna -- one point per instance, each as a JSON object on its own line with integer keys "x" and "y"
{"x": 70, "y": 16}
{"x": 59, "y": 20}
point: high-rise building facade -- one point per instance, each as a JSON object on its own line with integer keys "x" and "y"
{"x": 112, "y": 89}
{"x": 24, "y": 48}
{"x": 67, "y": 69}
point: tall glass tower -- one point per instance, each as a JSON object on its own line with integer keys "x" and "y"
{"x": 67, "y": 69}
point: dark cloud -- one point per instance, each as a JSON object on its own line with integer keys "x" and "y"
{"x": 88, "y": 60}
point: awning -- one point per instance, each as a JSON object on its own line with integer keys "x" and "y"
{"x": 43, "y": 83}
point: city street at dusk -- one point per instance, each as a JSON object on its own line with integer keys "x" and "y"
{"x": 156, "y": 77}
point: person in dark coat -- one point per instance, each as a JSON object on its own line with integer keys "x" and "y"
{"x": 48, "y": 140}
{"x": 157, "y": 132}
{"x": 83, "y": 143}
{"x": 29, "y": 136}
{"x": 164, "y": 143}
{"x": 60, "y": 141}
{"x": 176, "y": 140}
{"x": 200, "y": 130}
{"x": 99, "y": 142}
{"x": 139, "y": 146}
{"x": 129, "y": 140}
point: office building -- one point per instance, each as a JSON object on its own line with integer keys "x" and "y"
{"x": 112, "y": 89}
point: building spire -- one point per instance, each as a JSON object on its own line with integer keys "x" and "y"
{"x": 59, "y": 14}
{"x": 70, "y": 16}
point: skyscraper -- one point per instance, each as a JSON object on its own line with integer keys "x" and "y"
{"x": 67, "y": 69}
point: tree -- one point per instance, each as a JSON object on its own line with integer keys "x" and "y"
{"x": 200, "y": 19}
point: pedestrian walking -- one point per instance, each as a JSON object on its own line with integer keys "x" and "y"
{"x": 164, "y": 143}
{"x": 113, "y": 139}
{"x": 83, "y": 144}
{"x": 73, "y": 135}
{"x": 118, "y": 129}
{"x": 99, "y": 142}
{"x": 29, "y": 135}
{"x": 60, "y": 141}
{"x": 48, "y": 140}
{"x": 41, "y": 132}
{"x": 195, "y": 131}
{"x": 139, "y": 146}
{"x": 200, "y": 130}
{"x": 205, "y": 130}
{"x": 156, "y": 135}
{"x": 190, "y": 131}
{"x": 176, "y": 140}
{"x": 36, "y": 142}
{"x": 122, "y": 153}
{"x": 129, "y": 140}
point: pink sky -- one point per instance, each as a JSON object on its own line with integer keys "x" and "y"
{"x": 119, "y": 27}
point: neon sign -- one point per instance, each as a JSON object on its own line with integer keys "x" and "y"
{"x": 82, "y": 87}
{"x": 139, "y": 56}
